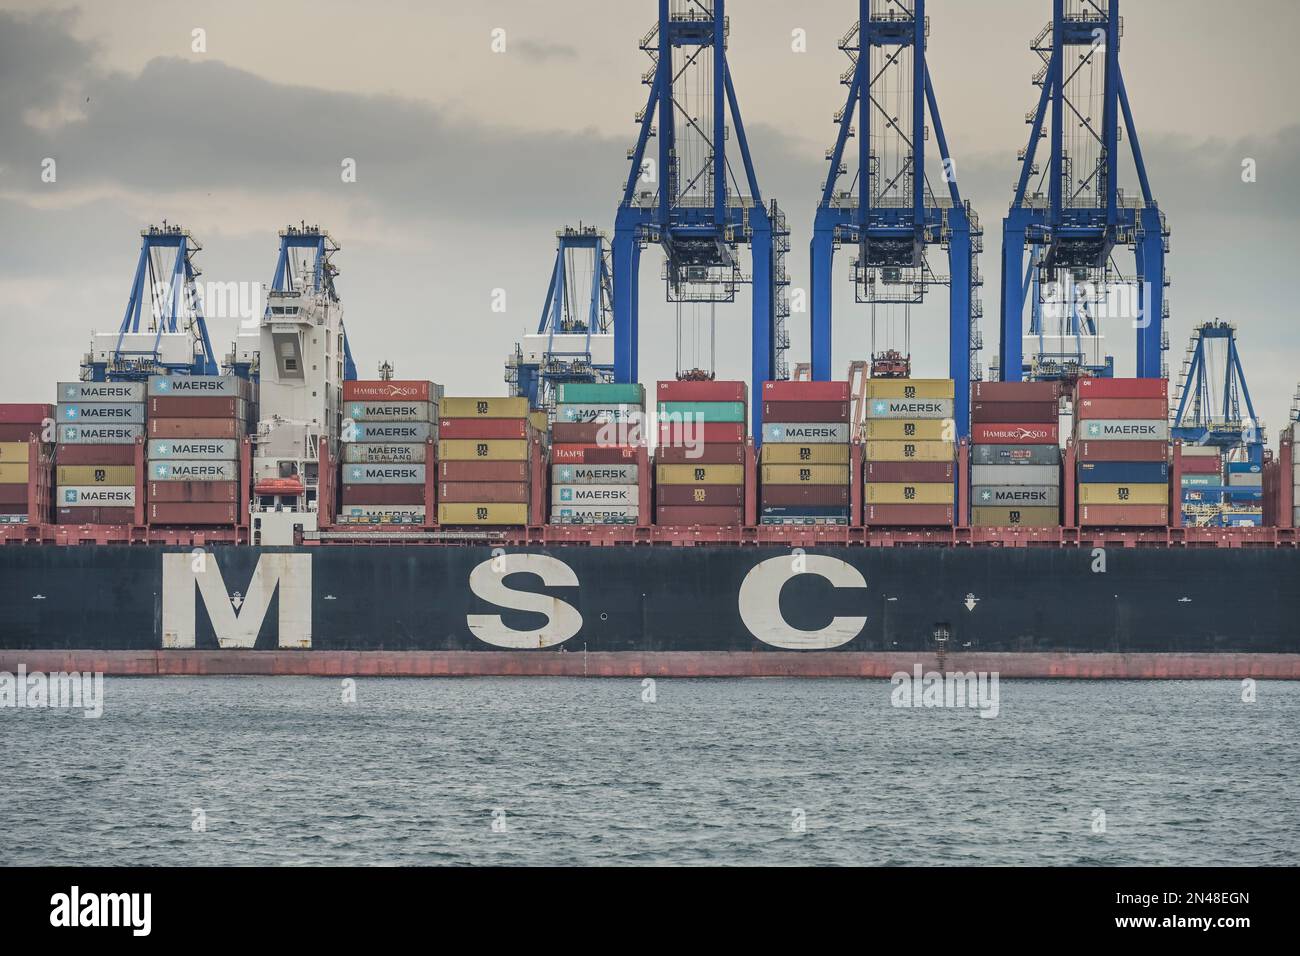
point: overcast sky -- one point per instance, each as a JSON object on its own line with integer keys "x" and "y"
{"x": 469, "y": 160}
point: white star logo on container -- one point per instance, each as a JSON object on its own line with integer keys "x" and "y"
{"x": 776, "y": 431}
{"x": 566, "y": 474}
{"x": 986, "y": 496}
{"x": 72, "y": 413}
{"x": 163, "y": 384}
{"x": 162, "y": 449}
{"x": 881, "y": 408}
{"x": 1094, "y": 429}
{"x": 162, "y": 471}
{"x": 357, "y": 473}
{"x": 357, "y": 411}
{"x": 72, "y": 391}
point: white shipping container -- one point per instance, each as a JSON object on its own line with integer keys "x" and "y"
{"x": 571, "y": 514}
{"x": 594, "y": 474}
{"x": 1201, "y": 451}
{"x": 391, "y": 411}
{"x": 205, "y": 449}
{"x": 806, "y": 433}
{"x": 597, "y": 496}
{"x": 1023, "y": 496}
{"x": 1245, "y": 479}
{"x": 383, "y": 452}
{"x": 381, "y": 514}
{"x": 1015, "y": 475}
{"x": 193, "y": 471}
{"x": 914, "y": 408}
{"x": 101, "y": 413}
{"x": 1124, "y": 429}
{"x": 585, "y": 412}
{"x": 99, "y": 496}
{"x": 383, "y": 474}
{"x": 94, "y": 434}
{"x": 392, "y": 432}
{"x": 81, "y": 392}
{"x": 205, "y": 386}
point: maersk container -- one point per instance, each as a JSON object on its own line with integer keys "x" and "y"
{"x": 700, "y": 474}
{"x": 910, "y": 388}
{"x": 804, "y": 474}
{"x": 806, "y": 433}
{"x": 92, "y": 515}
{"x": 391, "y": 411}
{"x": 393, "y": 432}
{"x": 597, "y": 413}
{"x": 225, "y": 386}
{"x": 918, "y": 408}
{"x": 903, "y": 493}
{"x": 1132, "y": 430}
{"x": 1106, "y": 493}
{"x": 1125, "y": 472}
{"x": 1016, "y": 496}
{"x": 102, "y": 413}
{"x": 579, "y": 514}
{"x": 909, "y": 451}
{"x": 602, "y": 393}
{"x": 384, "y": 453}
{"x": 802, "y": 520}
{"x": 195, "y": 449}
{"x": 1015, "y": 517}
{"x": 700, "y": 413}
{"x": 82, "y": 392}
{"x": 783, "y": 454}
{"x": 729, "y": 496}
{"x": 383, "y": 474}
{"x": 84, "y": 474}
{"x": 601, "y": 496}
{"x": 887, "y": 429}
{"x": 1015, "y": 454}
{"x": 96, "y": 496}
{"x": 381, "y": 514}
{"x": 198, "y": 470}
{"x": 1015, "y": 475}
{"x": 482, "y": 449}
{"x": 594, "y": 474}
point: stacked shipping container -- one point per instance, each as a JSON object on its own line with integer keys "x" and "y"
{"x": 483, "y": 457}
{"x": 597, "y": 421}
{"x": 95, "y": 475}
{"x": 1243, "y": 495}
{"x": 700, "y": 461}
{"x": 806, "y": 454}
{"x": 386, "y": 450}
{"x": 1121, "y": 431}
{"x": 1015, "y": 454}
{"x": 1200, "y": 489}
{"x": 19, "y": 424}
{"x": 193, "y": 462}
{"x": 909, "y": 452}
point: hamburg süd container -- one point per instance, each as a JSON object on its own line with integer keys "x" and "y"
{"x": 592, "y": 454}
{"x": 391, "y": 391}
{"x": 1018, "y": 433}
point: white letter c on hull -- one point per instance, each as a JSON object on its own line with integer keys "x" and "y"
{"x": 760, "y": 603}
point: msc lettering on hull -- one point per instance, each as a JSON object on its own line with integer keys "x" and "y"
{"x": 236, "y": 617}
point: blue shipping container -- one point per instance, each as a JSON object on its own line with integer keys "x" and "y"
{"x": 1125, "y": 472}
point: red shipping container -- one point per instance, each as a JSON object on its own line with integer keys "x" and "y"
{"x": 1124, "y": 516}
{"x": 17, "y": 432}
{"x": 13, "y": 494}
{"x": 1037, "y": 413}
{"x": 196, "y": 406}
{"x": 114, "y": 516}
{"x": 593, "y": 455}
{"x": 704, "y": 454}
{"x": 513, "y": 428}
{"x": 730, "y": 496}
{"x": 703, "y": 392}
{"x": 1015, "y": 392}
{"x": 685, "y": 516}
{"x": 1123, "y": 388}
{"x": 95, "y": 455}
{"x": 918, "y": 471}
{"x": 810, "y": 495}
{"x": 679, "y": 433}
{"x": 1202, "y": 465}
{"x": 192, "y": 514}
{"x": 25, "y": 414}
{"x": 904, "y": 516}
{"x": 1121, "y": 408}
{"x": 514, "y": 492}
{"x": 1122, "y": 451}
{"x": 195, "y": 428}
{"x": 805, "y": 391}
{"x": 380, "y": 391}
{"x": 465, "y": 471}
{"x": 1021, "y": 433}
{"x": 805, "y": 411}
{"x": 176, "y": 492}
{"x": 385, "y": 494}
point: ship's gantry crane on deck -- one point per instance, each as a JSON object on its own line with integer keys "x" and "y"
{"x": 1072, "y": 231}
{"x": 889, "y": 211}
{"x": 1209, "y": 398}
{"x": 171, "y": 338}
{"x": 574, "y": 340}
{"x": 698, "y": 213}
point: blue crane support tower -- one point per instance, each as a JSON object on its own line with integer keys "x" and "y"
{"x": 1073, "y": 230}
{"x": 1210, "y": 400}
{"x": 316, "y": 267}
{"x": 698, "y": 214}
{"x": 574, "y": 336}
{"x": 889, "y": 210}
{"x": 174, "y": 308}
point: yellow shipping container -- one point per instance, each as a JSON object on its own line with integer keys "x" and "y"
{"x": 14, "y": 451}
{"x": 1035, "y": 517}
{"x": 483, "y": 449}
{"x": 539, "y": 421}
{"x": 95, "y": 475}
{"x": 910, "y": 493}
{"x": 910, "y": 388}
{"x": 700, "y": 474}
{"x": 909, "y": 451}
{"x": 778, "y": 454}
{"x": 483, "y": 408}
{"x": 1105, "y": 493}
{"x": 805, "y": 474}
{"x": 484, "y": 513}
{"x": 931, "y": 429}
{"x": 13, "y": 473}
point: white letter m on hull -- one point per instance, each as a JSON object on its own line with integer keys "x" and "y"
{"x": 236, "y": 620}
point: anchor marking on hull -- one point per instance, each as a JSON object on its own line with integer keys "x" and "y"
{"x": 237, "y": 600}
{"x": 971, "y": 601}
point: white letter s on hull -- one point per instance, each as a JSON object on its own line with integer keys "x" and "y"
{"x": 489, "y": 583}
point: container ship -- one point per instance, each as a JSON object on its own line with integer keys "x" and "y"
{"x": 276, "y": 513}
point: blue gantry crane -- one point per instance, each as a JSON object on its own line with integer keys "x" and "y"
{"x": 574, "y": 340}
{"x": 1212, "y": 395}
{"x": 1075, "y": 228}
{"x": 889, "y": 210}
{"x": 163, "y": 331}
{"x": 697, "y": 211}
